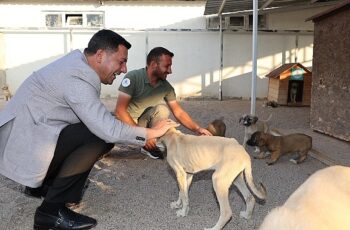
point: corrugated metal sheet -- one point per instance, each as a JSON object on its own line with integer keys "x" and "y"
{"x": 234, "y": 6}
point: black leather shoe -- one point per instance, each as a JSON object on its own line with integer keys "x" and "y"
{"x": 65, "y": 219}
{"x": 154, "y": 154}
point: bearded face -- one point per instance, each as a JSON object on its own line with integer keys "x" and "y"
{"x": 163, "y": 67}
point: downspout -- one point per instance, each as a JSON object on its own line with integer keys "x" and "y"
{"x": 296, "y": 48}
{"x": 146, "y": 46}
{"x": 221, "y": 48}
{"x": 221, "y": 59}
{"x": 2, "y": 63}
{"x": 71, "y": 39}
{"x": 254, "y": 57}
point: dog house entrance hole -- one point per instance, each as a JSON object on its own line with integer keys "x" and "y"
{"x": 295, "y": 91}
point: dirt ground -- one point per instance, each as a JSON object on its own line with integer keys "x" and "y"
{"x": 128, "y": 190}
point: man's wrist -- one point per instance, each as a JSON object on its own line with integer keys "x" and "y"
{"x": 196, "y": 130}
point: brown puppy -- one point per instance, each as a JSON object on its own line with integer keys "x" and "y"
{"x": 321, "y": 203}
{"x": 217, "y": 127}
{"x": 278, "y": 145}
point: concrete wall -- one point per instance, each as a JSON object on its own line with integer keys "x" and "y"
{"x": 330, "y": 104}
{"x": 293, "y": 20}
{"x": 180, "y": 27}
{"x": 195, "y": 66}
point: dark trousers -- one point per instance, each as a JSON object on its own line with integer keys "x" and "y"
{"x": 76, "y": 152}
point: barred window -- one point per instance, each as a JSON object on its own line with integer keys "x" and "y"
{"x": 74, "y": 19}
{"x": 94, "y": 20}
{"x": 53, "y": 20}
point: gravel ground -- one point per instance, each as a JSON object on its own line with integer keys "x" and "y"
{"x": 128, "y": 190}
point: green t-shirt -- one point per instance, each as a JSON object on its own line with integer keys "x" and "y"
{"x": 143, "y": 95}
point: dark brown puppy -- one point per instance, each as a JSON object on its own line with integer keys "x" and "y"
{"x": 278, "y": 145}
{"x": 217, "y": 127}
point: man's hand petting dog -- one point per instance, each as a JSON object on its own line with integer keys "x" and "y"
{"x": 161, "y": 127}
{"x": 279, "y": 145}
{"x": 203, "y": 132}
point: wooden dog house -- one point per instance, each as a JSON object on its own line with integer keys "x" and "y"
{"x": 290, "y": 84}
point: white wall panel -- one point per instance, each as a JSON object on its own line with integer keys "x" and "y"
{"x": 178, "y": 26}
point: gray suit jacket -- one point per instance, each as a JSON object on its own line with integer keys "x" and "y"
{"x": 64, "y": 92}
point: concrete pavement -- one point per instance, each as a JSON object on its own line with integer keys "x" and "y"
{"x": 128, "y": 190}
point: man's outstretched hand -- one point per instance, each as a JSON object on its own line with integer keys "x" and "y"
{"x": 160, "y": 128}
{"x": 202, "y": 131}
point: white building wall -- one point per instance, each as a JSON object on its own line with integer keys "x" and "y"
{"x": 293, "y": 20}
{"x": 196, "y": 66}
{"x": 170, "y": 15}
{"x": 273, "y": 51}
{"x": 126, "y": 15}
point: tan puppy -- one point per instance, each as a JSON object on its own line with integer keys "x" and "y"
{"x": 322, "y": 202}
{"x": 189, "y": 154}
{"x": 251, "y": 125}
{"x": 278, "y": 145}
{"x": 217, "y": 127}
{"x": 6, "y": 92}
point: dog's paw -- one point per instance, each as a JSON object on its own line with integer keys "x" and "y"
{"x": 182, "y": 212}
{"x": 175, "y": 204}
{"x": 245, "y": 215}
{"x": 293, "y": 161}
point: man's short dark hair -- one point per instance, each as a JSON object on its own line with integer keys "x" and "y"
{"x": 106, "y": 40}
{"x": 156, "y": 53}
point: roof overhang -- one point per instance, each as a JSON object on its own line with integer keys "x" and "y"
{"x": 89, "y": 1}
{"x": 216, "y": 7}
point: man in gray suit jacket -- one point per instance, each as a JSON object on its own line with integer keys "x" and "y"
{"x": 55, "y": 128}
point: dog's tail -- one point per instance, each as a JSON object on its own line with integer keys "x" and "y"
{"x": 259, "y": 194}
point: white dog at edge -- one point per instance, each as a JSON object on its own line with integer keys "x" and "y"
{"x": 189, "y": 154}
{"x": 322, "y": 202}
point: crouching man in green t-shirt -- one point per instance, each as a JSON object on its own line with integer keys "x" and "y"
{"x": 142, "y": 94}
